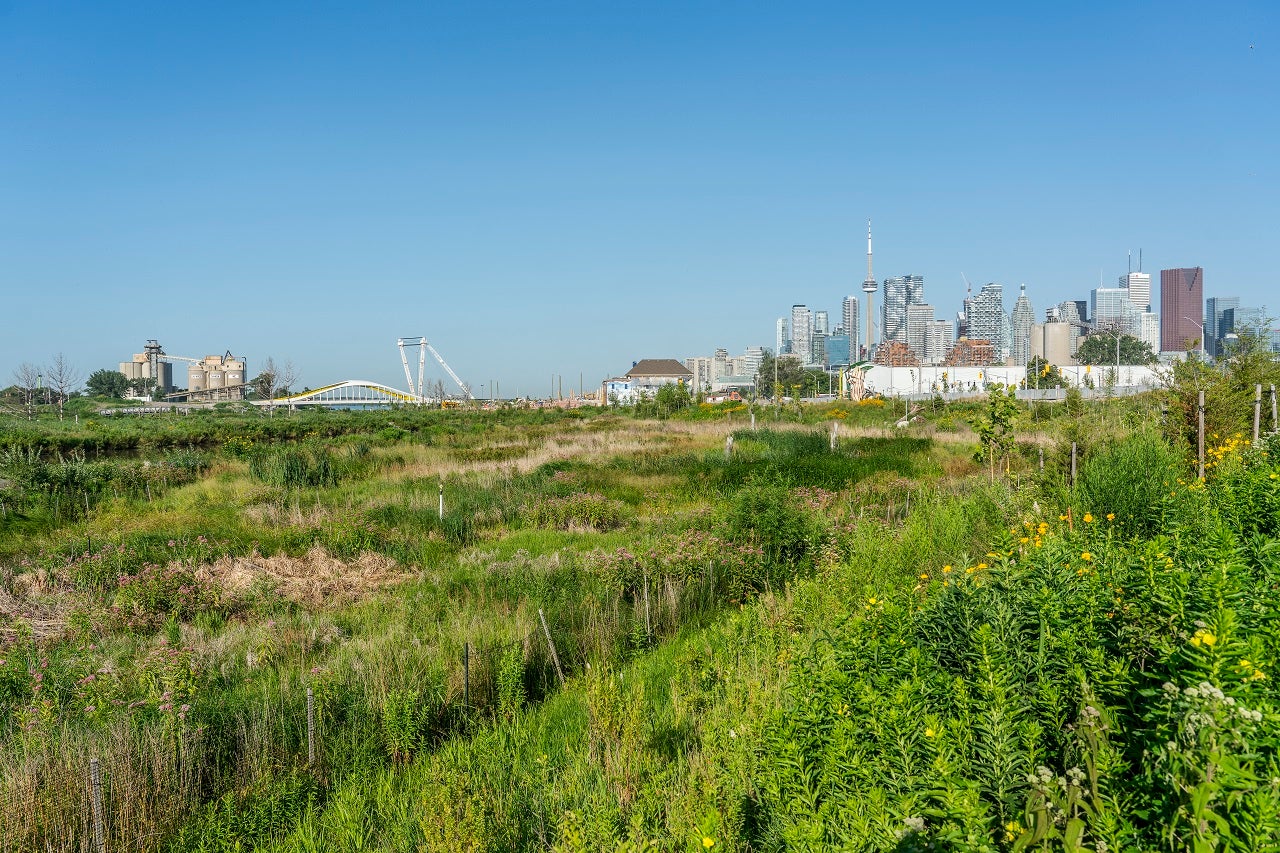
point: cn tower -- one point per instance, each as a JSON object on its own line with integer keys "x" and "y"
{"x": 869, "y": 287}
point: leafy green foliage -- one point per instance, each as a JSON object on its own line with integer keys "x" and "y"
{"x": 1100, "y": 348}
{"x": 107, "y": 383}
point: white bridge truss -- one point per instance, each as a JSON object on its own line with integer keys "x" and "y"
{"x": 352, "y": 393}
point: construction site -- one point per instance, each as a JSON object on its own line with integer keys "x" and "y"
{"x": 211, "y": 378}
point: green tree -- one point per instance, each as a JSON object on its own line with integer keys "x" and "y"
{"x": 995, "y": 426}
{"x": 107, "y": 383}
{"x": 1042, "y": 374}
{"x": 1100, "y": 348}
{"x": 790, "y": 373}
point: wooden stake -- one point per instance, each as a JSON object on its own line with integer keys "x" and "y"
{"x": 311, "y": 728}
{"x": 1257, "y": 411}
{"x": 466, "y": 675}
{"x": 555, "y": 658}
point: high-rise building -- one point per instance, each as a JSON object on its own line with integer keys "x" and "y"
{"x": 1139, "y": 286}
{"x": 782, "y": 337}
{"x": 838, "y": 350}
{"x": 849, "y": 311}
{"x": 1024, "y": 317}
{"x": 1112, "y": 308}
{"x": 940, "y": 338}
{"x": 1149, "y": 329}
{"x": 820, "y": 323}
{"x": 1069, "y": 312}
{"x": 1181, "y": 309}
{"x": 802, "y": 333}
{"x": 899, "y": 292}
{"x": 985, "y": 319}
{"x": 918, "y": 319}
{"x": 1215, "y": 312}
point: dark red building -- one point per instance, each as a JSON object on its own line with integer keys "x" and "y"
{"x": 1181, "y": 309}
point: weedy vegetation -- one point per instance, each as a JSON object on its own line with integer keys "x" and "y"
{"x": 568, "y": 631}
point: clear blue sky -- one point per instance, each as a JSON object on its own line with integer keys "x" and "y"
{"x": 563, "y": 188}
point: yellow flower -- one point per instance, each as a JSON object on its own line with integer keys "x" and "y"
{"x": 1111, "y": 516}
{"x": 982, "y": 565}
{"x": 1088, "y": 518}
{"x": 924, "y": 576}
{"x": 1062, "y": 518}
{"x": 708, "y": 842}
{"x": 946, "y": 569}
{"x": 1203, "y": 637}
{"x": 1086, "y": 556}
{"x": 873, "y": 600}
{"x": 929, "y": 732}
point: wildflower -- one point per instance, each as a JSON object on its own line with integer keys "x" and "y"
{"x": 1062, "y": 518}
{"x": 929, "y": 732}
{"x": 982, "y": 565}
{"x": 946, "y": 569}
{"x": 924, "y": 576}
{"x": 1088, "y": 518}
{"x": 1203, "y": 637}
{"x": 1086, "y": 556}
{"x": 1111, "y": 516}
{"x": 708, "y": 842}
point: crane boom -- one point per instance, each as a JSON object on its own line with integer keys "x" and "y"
{"x": 465, "y": 390}
{"x": 423, "y": 345}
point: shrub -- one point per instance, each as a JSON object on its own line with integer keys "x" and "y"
{"x": 1130, "y": 478}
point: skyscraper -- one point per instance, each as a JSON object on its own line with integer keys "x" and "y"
{"x": 1181, "y": 309}
{"x": 1069, "y": 313}
{"x": 1112, "y": 309}
{"x": 1024, "y": 316}
{"x": 1139, "y": 286}
{"x": 917, "y": 332}
{"x": 802, "y": 333}
{"x": 985, "y": 318}
{"x": 782, "y": 337}
{"x": 1215, "y": 315}
{"x": 899, "y": 292}
{"x": 850, "y": 313}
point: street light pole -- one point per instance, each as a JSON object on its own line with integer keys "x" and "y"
{"x": 1199, "y": 326}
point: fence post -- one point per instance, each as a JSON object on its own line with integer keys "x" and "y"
{"x": 311, "y": 727}
{"x": 1257, "y": 411}
{"x": 86, "y": 494}
{"x": 728, "y": 446}
{"x": 466, "y": 674}
{"x": 1073, "y": 463}
{"x": 835, "y": 433}
{"x": 1042, "y": 459}
{"x": 95, "y": 785}
{"x": 1275, "y": 423}
{"x": 555, "y": 658}
{"x": 648, "y": 625}
{"x": 442, "y": 500}
{"x": 1200, "y": 433}
{"x": 753, "y": 420}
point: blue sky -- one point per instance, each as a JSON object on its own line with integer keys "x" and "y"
{"x": 563, "y": 188}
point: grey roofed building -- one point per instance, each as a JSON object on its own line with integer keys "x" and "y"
{"x": 660, "y": 368}
{"x": 649, "y": 374}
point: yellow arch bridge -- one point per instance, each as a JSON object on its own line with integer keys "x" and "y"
{"x": 350, "y": 394}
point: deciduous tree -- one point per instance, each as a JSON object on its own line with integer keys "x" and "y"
{"x": 107, "y": 383}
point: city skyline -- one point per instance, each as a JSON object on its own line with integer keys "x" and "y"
{"x": 567, "y": 191}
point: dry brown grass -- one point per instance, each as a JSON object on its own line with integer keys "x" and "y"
{"x": 45, "y": 619}
{"x": 315, "y": 580}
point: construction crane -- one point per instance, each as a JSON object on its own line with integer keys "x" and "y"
{"x": 424, "y": 346}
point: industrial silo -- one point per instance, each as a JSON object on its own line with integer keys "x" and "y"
{"x": 195, "y": 377}
{"x": 217, "y": 378}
